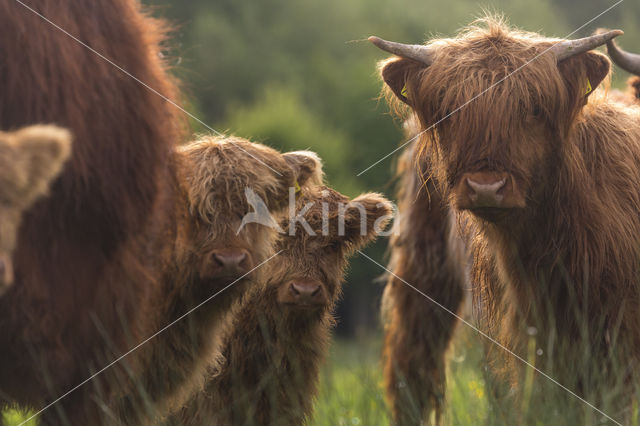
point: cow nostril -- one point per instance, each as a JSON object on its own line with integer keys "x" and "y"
{"x": 294, "y": 290}
{"x": 487, "y": 187}
{"x": 306, "y": 290}
{"x": 231, "y": 258}
{"x": 486, "y": 192}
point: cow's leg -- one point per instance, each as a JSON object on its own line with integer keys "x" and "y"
{"x": 427, "y": 254}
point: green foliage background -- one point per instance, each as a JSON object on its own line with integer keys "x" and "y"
{"x": 298, "y": 74}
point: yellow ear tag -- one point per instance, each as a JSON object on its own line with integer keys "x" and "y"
{"x": 589, "y": 88}
{"x": 297, "y": 186}
{"x": 403, "y": 92}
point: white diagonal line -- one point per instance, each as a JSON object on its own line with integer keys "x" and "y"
{"x": 130, "y": 351}
{"x": 101, "y": 56}
{"x": 492, "y": 340}
{"x": 485, "y": 91}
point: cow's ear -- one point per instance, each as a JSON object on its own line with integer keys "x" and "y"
{"x": 365, "y": 217}
{"x": 583, "y": 73}
{"x": 307, "y": 167}
{"x": 399, "y": 75}
{"x": 44, "y": 151}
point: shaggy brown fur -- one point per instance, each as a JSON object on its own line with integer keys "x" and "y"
{"x": 272, "y": 351}
{"x": 87, "y": 258}
{"x": 631, "y": 96}
{"x": 29, "y": 160}
{"x": 213, "y": 175}
{"x": 426, "y": 252}
{"x": 566, "y": 264}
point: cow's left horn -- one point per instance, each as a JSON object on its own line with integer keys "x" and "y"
{"x": 629, "y": 62}
{"x": 417, "y": 52}
{"x": 569, "y": 48}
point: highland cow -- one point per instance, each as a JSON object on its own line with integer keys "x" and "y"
{"x": 213, "y": 255}
{"x": 427, "y": 252}
{"x": 279, "y": 333}
{"x": 547, "y": 175}
{"x": 30, "y": 159}
{"x": 629, "y": 62}
{"x": 87, "y": 258}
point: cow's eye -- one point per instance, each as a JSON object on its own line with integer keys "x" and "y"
{"x": 334, "y": 246}
{"x": 537, "y": 112}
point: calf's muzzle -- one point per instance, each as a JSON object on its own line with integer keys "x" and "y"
{"x": 303, "y": 292}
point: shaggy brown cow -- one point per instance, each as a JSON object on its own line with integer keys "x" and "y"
{"x": 29, "y": 160}
{"x": 88, "y": 257}
{"x": 280, "y": 331}
{"x": 212, "y": 249}
{"x": 426, "y": 252}
{"x": 629, "y": 62}
{"x": 548, "y": 177}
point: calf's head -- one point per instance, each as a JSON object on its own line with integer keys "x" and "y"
{"x": 328, "y": 229}
{"x": 237, "y": 192}
{"x": 30, "y": 159}
{"x": 494, "y": 106}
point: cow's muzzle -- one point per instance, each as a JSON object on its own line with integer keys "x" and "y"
{"x": 488, "y": 193}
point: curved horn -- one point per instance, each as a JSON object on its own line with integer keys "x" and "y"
{"x": 629, "y": 62}
{"x": 417, "y": 52}
{"x": 566, "y": 49}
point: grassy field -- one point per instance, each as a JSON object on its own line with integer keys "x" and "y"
{"x": 351, "y": 390}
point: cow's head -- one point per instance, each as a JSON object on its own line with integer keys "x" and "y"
{"x": 237, "y": 193}
{"x": 30, "y": 159}
{"x": 307, "y": 274}
{"x": 494, "y": 106}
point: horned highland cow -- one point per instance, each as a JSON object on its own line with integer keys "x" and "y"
{"x": 30, "y": 159}
{"x": 545, "y": 171}
{"x": 88, "y": 257}
{"x": 279, "y": 333}
{"x": 210, "y": 262}
{"x": 426, "y": 251}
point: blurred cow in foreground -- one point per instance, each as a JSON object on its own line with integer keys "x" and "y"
{"x": 545, "y": 171}
{"x": 87, "y": 257}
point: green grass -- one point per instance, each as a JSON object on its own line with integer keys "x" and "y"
{"x": 13, "y": 417}
{"x": 351, "y": 390}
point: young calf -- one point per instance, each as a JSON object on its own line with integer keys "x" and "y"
{"x": 279, "y": 334}
{"x": 30, "y": 159}
{"x": 211, "y": 263}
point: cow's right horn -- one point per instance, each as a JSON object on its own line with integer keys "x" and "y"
{"x": 417, "y": 52}
{"x": 568, "y": 48}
